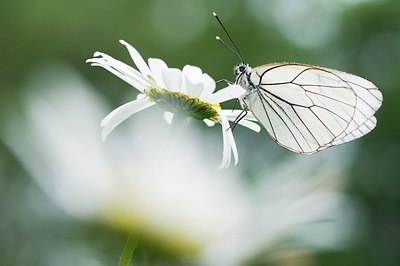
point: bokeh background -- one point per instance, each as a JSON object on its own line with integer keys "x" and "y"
{"x": 41, "y": 39}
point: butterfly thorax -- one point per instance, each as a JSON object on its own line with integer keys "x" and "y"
{"x": 243, "y": 79}
{"x": 243, "y": 73}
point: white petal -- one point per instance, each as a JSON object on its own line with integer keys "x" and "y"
{"x": 228, "y": 140}
{"x": 156, "y": 67}
{"x": 193, "y": 89}
{"x": 209, "y": 86}
{"x": 120, "y": 114}
{"x": 137, "y": 59}
{"x": 133, "y": 82}
{"x": 246, "y": 121}
{"x": 168, "y": 116}
{"x": 250, "y": 125}
{"x": 209, "y": 122}
{"x": 235, "y": 113}
{"x": 193, "y": 85}
{"x": 193, "y": 73}
{"x": 141, "y": 96}
{"x": 226, "y": 153}
{"x": 121, "y": 70}
{"x": 172, "y": 79}
{"x": 226, "y": 94}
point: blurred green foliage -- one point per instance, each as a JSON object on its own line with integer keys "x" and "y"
{"x": 364, "y": 39}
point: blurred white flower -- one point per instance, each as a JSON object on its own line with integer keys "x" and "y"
{"x": 181, "y": 205}
{"x": 188, "y": 92}
{"x": 297, "y": 207}
{"x": 133, "y": 181}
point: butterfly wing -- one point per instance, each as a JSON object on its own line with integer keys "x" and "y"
{"x": 307, "y": 108}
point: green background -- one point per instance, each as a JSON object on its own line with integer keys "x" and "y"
{"x": 362, "y": 37}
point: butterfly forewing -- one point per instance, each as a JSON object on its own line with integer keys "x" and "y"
{"x": 307, "y": 108}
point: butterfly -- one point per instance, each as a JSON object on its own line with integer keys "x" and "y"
{"x": 307, "y": 108}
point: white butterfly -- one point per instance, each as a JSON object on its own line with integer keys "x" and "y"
{"x": 307, "y": 108}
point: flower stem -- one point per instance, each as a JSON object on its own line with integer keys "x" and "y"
{"x": 127, "y": 253}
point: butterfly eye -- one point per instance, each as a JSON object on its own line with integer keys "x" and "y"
{"x": 239, "y": 69}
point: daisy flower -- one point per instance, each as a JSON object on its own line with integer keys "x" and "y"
{"x": 187, "y": 93}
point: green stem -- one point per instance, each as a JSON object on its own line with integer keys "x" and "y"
{"x": 127, "y": 253}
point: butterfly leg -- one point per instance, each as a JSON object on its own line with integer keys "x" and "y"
{"x": 224, "y": 80}
{"x": 242, "y": 115}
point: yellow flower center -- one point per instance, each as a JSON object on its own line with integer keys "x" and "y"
{"x": 173, "y": 101}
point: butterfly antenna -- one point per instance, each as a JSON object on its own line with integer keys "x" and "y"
{"x": 237, "y": 52}
{"x": 228, "y": 47}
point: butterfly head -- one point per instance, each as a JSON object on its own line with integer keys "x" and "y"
{"x": 242, "y": 69}
{"x": 242, "y": 72}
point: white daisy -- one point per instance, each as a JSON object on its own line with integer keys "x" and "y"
{"x": 188, "y": 92}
